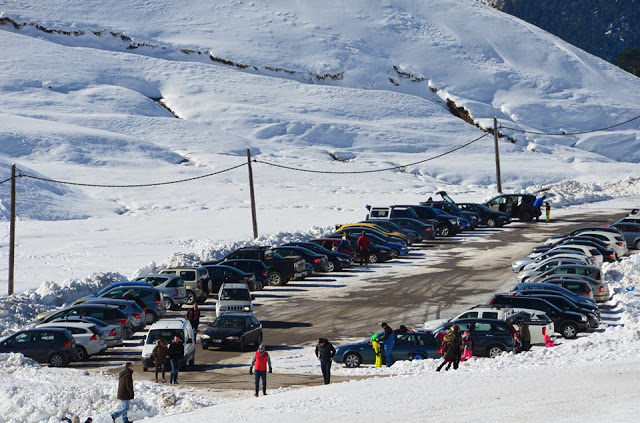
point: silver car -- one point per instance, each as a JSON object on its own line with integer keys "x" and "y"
{"x": 534, "y": 269}
{"x": 171, "y": 286}
{"x": 112, "y": 334}
{"x": 130, "y": 308}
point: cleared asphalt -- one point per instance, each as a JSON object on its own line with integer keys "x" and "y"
{"x": 458, "y": 272}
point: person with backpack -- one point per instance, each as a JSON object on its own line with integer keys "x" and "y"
{"x": 260, "y": 362}
{"x": 193, "y": 316}
{"x": 364, "y": 242}
{"x": 160, "y": 353}
{"x": 388, "y": 341}
{"x": 176, "y": 355}
{"x": 325, "y": 353}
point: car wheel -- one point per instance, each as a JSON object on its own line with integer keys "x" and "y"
{"x": 352, "y": 360}
{"x": 569, "y": 330}
{"x": 276, "y": 279}
{"x": 526, "y": 217}
{"x": 445, "y": 230}
{"x": 191, "y": 297}
{"x": 330, "y": 266}
{"x": 168, "y": 304}
{"x": 81, "y": 354}
{"x": 150, "y": 317}
{"x": 491, "y": 222}
{"x": 57, "y": 360}
{"x": 636, "y": 245}
{"x": 494, "y": 351}
{"x": 258, "y": 285}
{"x": 373, "y": 258}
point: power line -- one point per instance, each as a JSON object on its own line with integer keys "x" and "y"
{"x": 370, "y": 171}
{"x": 570, "y": 133}
{"x": 6, "y": 180}
{"x": 22, "y": 175}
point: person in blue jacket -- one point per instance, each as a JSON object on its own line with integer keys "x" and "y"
{"x": 388, "y": 340}
{"x": 538, "y": 204}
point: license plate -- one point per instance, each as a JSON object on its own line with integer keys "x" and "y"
{"x": 216, "y": 341}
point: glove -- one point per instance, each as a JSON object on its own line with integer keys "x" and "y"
{"x": 269, "y": 370}
{"x": 250, "y": 371}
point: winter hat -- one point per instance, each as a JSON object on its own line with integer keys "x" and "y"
{"x": 383, "y": 324}
{"x": 261, "y": 347}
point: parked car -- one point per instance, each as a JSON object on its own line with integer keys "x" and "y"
{"x": 426, "y": 231}
{"x": 221, "y": 274}
{"x": 111, "y": 334}
{"x": 453, "y": 209}
{"x": 234, "y": 298}
{"x": 196, "y": 281}
{"x": 420, "y": 343}
{"x": 567, "y": 305}
{"x": 377, "y": 253}
{"x": 109, "y": 314}
{"x": 583, "y": 230}
{"x": 580, "y": 299}
{"x": 567, "y": 323}
{"x": 593, "y": 253}
{"x": 518, "y": 206}
{"x": 488, "y": 217}
{"x": 167, "y": 329}
{"x": 389, "y": 226}
{"x": 630, "y": 232}
{"x": 258, "y": 268}
{"x": 48, "y": 345}
{"x": 281, "y": 270}
{"x": 520, "y": 264}
{"x": 397, "y": 249}
{"x": 616, "y": 241}
{"x": 337, "y": 260}
{"x": 173, "y": 289}
{"x": 320, "y": 262}
{"x": 490, "y": 337}
{"x": 570, "y": 269}
{"x": 477, "y": 311}
{"x": 392, "y": 235}
{"x": 600, "y": 291}
{"x": 531, "y": 270}
{"x": 148, "y": 297}
{"x": 232, "y": 330}
{"x": 88, "y": 338}
{"x": 129, "y": 307}
{"x": 445, "y": 225}
{"x": 539, "y": 324}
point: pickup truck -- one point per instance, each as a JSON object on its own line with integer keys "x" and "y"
{"x": 280, "y": 269}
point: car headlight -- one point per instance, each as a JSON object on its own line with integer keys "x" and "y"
{"x": 223, "y": 308}
{"x": 583, "y": 318}
{"x": 247, "y": 308}
{"x": 232, "y": 338}
{"x": 205, "y": 336}
{"x": 454, "y": 221}
{"x": 146, "y": 355}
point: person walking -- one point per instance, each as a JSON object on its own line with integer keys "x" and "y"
{"x": 377, "y": 349}
{"x": 160, "y": 353}
{"x": 547, "y": 210}
{"x": 193, "y": 316}
{"x": 260, "y": 361}
{"x": 467, "y": 350}
{"x": 176, "y": 354}
{"x": 364, "y": 242}
{"x": 525, "y": 336}
{"x": 325, "y": 353}
{"x": 388, "y": 340}
{"x": 125, "y": 392}
{"x": 453, "y": 353}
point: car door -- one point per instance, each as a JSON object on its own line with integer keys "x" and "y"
{"x": 481, "y": 336}
{"x": 18, "y": 343}
{"x": 42, "y": 342}
{"x": 405, "y": 344}
{"x": 426, "y": 345}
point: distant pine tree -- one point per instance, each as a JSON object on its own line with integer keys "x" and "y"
{"x": 629, "y": 60}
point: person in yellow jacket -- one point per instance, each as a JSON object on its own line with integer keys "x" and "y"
{"x": 377, "y": 349}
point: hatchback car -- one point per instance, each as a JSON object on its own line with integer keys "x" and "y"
{"x": 630, "y": 232}
{"x": 172, "y": 287}
{"x": 490, "y": 337}
{"x": 149, "y": 297}
{"x": 600, "y": 291}
{"x": 109, "y": 314}
{"x": 320, "y": 262}
{"x": 570, "y": 269}
{"x": 535, "y": 269}
{"x": 48, "y": 345}
{"x": 130, "y": 308}
{"x": 421, "y": 343}
{"x": 88, "y": 338}
{"x": 581, "y": 299}
{"x": 110, "y": 333}
{"x": 232, "y": 330}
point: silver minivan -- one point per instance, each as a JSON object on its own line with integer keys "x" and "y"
{"x": 172, "y": 286}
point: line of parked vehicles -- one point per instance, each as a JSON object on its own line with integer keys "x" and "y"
{"x": 92, "y": 324}
{"x": 558, "y": 288}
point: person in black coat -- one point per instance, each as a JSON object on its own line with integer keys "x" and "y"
{"x": 125, "y": 392}
{"x": 325, "y": 353}
{"x": 176, "y": 354}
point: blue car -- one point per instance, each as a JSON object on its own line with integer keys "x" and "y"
{"x": 421, "y": 344}
{"x": 118, "y": 284}
{"x": 397, "y": 249}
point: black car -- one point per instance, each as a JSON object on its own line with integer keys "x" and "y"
{"x": 110, "y": 314}
{"x": 488, "y": 217}
{"x": 320, "y": 262}
{"x": 518, "y": 206}
{"x": 377, "y": 253}
{"x": 426, "y": 231}
{"x": 44, "y": 345}
{"x": 258, "y": 268}
{"x": 337, "y": 260}
{"x": 221, "y": 273}
{"x": 446, "y": 224}
{"x": 567, "y": 323}
{"x": 454, "y": 210}
{"x": 232, "y": 330}
{"x": 490, "y": 337}
{"x": 390, "y": 226}
{"x": 561, "y": 292}
{"x": 565, "y": 304}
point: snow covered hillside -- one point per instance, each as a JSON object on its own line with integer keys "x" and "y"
{"x": 301, "y": 83}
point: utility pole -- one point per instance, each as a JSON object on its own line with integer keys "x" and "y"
{"x": 253, "y": 196}
{"x": 12, "y": 229}
{"x": 495, "y": 144}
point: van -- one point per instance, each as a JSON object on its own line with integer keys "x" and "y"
{"x": 234, "y": 298}
{"x": 167, "y": 329}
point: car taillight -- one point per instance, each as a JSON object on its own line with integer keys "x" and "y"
{"x": 199, "y": 285}
{"x": 112, "y": 333}
{"x": 94, "y": 337}
{"x": 67, "y": 344}
{"x": 427, "y": 229}
{"x": 612, "y": 256}
{"x": 121, "y": 320}
{"x": 601, "y": 289}
{"x": 137, "y": 315}
{"x": 145, "y": 309}
{"x": 585, "y": 287}
{"x": 246, "y": 278}
{"x": 316, "y": 261}
{"x": 176, "y": 292}
{"x": 158, "y": 303}
{"x": 265, "y": 274}
{"x": 619, "y": 244}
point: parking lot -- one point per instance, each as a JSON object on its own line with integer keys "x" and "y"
{"x": 436, "y": 280}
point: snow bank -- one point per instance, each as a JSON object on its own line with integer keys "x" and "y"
{"x": 32, "y": 393}
{"x": 568, "y": 193}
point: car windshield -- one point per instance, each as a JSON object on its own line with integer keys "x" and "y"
{"x": 166, "y": 334}
{"x": 229, "y": 322}
{"x": 235, "y": 294}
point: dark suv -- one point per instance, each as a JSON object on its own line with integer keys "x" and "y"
{"x": 488, "y": 217}
{"x": 453, "y": 209}
{"x": 221, "y": 273}
{"x": 47, "y": 345}
{"x": 490, "y": 337}
{"x": 518, "y": 206}
{"x": 258, "y": 268}
{"x": 567, "y": 323}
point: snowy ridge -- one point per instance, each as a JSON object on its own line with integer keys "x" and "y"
{"x": 569, "y": 193}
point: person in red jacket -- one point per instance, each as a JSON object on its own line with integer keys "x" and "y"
{"x": 364, "y": 242}
{"x": 260, "y": 361}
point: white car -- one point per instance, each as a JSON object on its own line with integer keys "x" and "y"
{"x": 535, "y": 269}
{"x": 234, "y": 298}
{"x": 167, "y": 329}
{"x": 592, "y": 253}
{"x": 89, "y": 340}
{"x": 616, "y": 242}
{"x": 520, "y": 264}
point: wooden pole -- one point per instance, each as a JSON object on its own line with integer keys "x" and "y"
{"x": 12, "y": 229}
{"x": 253, "y": 196}
{"x": 495, "y": 144}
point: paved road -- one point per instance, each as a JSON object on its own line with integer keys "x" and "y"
{"x": 437, "y": 280}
